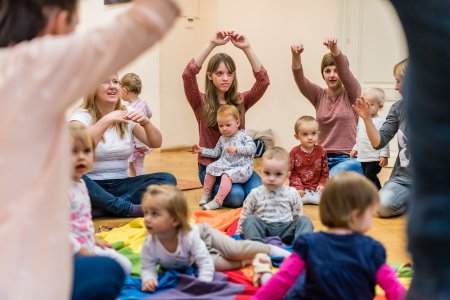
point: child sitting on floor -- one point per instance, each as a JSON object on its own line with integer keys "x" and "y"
{"x": 236, "y": 150}
{"x": 341, "y": 262}
{"x": 165, "y": 206}
{"x": 172, "y": 242}
{"x": 309, "y": 161}
{"x": 274, "y": 209}
{"x": 83, "y": 239}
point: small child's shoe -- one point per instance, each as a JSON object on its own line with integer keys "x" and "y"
{"x": 262, "y": 265}
{"x": 211, "y": 205}
{"x": 205, "y": 199}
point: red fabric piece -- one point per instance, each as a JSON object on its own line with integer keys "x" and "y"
{"x": 233, "y": 228}
{"x": 238, "y": 276}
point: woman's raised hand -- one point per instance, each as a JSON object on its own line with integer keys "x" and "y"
{"x": 221, "y": 38}
{"x": 362, "y": 108}
{"x": 331, "y": 43}
{"x": 297, "y": 49}
{"x": 239, "y": 40}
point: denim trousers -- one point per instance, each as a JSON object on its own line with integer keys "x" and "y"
{"x": 394, "y": 198}
{"x": 238, "y": 191}
{"x": 96, "y": 278}
{"x": 116, "y": 196}
{"x": 343, "y": 163}
{"x": 427, "y": 91}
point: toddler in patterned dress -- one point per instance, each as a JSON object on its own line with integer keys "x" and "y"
{"x": 131, "y": 86}
{"x": 308, "y": 161}
{"x": 235, "y": 165}
{"x": 82, "y": 237}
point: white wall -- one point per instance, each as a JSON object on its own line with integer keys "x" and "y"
{"x": 271, "y": 26}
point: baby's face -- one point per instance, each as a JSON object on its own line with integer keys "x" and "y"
{"x": 307, "y": 134}
{"x": 274, "y": 173}
{"x": 228, "y": 125}
{"x": 375, "y": 106}
{"x": 82, "y": 159}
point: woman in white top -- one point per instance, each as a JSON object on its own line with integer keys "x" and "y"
{"x": 113, "y": 129}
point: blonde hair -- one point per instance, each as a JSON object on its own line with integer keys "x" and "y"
{"x": 400, "y": 68}
{"x": 89, "y": 104}
{"x": 277, "y": 153}
{"x": 81, "y": 133}
{"x": 132, "y": 83}
{"x": 304, "y": 119}
{"x": 343, "y": 194}
{"x": 174, "y": 202}
{"x": 328, "y": 60}
{"x": 211, "y": 100}
{"x": 377, "y": 94}
{"x": 228, "y": 111}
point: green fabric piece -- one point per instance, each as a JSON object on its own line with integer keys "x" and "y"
{"x": 135, "y": 259}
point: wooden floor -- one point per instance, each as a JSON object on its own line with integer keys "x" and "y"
{"x": 183, "y": 164}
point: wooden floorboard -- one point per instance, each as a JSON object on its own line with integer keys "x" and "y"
{"x": 183, "y": 164}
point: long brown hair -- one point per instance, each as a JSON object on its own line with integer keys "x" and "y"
{"x": 211, "y": 100}
{"x": 90, "y": 105}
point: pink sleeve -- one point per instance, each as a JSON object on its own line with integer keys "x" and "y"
{"x": 283, "y": 280}
{"x": 388, "y": 281}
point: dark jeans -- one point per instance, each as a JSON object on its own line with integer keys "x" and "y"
{"x": 96, "y": 278}
{"x": 427, "y": 92}
{"x": 116, "y": 196}
{"x": 238, "y": 192}
{"x": 371, "y": 170}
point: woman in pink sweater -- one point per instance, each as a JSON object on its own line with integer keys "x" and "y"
{"x": 220, "y": 89}
{"x": 334, "y": 112}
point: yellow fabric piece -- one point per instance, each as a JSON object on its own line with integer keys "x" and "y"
{"x": 132, "y": 235}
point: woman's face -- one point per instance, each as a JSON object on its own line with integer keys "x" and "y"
{"x": 399, "y": 83}
{"x": 108, "y": 91}
{"x": 331, "y": 78}
{"x": 222, "y": 78}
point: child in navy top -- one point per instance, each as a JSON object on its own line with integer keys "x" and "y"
{"x": 340, "y": 263}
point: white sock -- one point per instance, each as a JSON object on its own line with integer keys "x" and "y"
{"x": 204, "y": 200}
{"x": 277, "y": 251}
{"x": 211, "y": 205}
